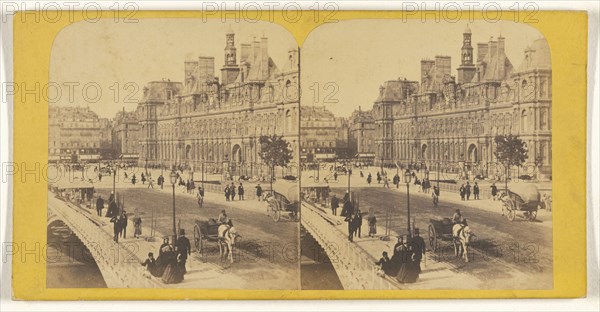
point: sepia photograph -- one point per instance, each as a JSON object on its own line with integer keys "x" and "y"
{"x": 174, "y": 159}
{"x": 426, "y": 156}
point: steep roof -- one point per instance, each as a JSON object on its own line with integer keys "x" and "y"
{"x": 537, "y": 56}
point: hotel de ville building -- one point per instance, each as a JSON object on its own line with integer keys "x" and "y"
{"x": 216, "y": 122}
{"x": 452, "y": 120}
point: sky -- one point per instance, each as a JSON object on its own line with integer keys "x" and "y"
{"x": 343, "y": 64}
{"x": 120, "y": 58}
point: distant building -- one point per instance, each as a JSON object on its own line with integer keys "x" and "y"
{"x": 318, "y": 133}
{"x": 125, "y": 136}
{"x": 207, "y": 121}
{"x": 77, "y": 134}
{"x": 323, "y": 135}
{"x": 361, "y": 139}
{"x": 440, "y": 120}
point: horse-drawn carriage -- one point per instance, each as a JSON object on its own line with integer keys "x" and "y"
{"x": 284, "y": 201}
{"x": 439, "y": 230}
{"x": 208, "y": 230}
{"x": 459, "y": 234}
{"x": 521, "y": 200}
{"x": 205, "y": 230}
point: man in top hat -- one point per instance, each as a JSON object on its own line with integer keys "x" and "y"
{"x": 183, "y": 248}
{"x": 418, "y": 244}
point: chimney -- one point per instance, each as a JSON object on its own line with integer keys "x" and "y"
{"x": 426, "y": 66}
{"x": 246, "y": 47}
{"x": 442, "y": 69}
{"x": 255, "y": 52}
{"x": 482, "y": 51}
{"x": 500, "y": 45}
{"x": 264, "y": 53}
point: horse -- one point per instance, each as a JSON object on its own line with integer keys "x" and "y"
{"x": 227, "y": 238}
{"x": 462, "y": 236}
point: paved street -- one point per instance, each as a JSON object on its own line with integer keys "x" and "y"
{"x": 506, "y": 253}
{"x": 267, "y": 252}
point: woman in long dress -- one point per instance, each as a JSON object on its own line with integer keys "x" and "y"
{"x": 410, "y": 268}
{"x": 174, "y": 271}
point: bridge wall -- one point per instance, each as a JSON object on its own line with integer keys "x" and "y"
{"x": 118, "y": 265}
{"x": 355, "y": 268}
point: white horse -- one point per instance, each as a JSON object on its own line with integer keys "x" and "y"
{"x": 462, "y": 236}
{"x": 227, "y": 238}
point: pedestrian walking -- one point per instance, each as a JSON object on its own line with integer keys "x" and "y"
{"x": 123, "y": 221}
{"x": 183, "y": 249}
{"x": 335, "y": 203}
{"x": 143, "y": 178}
{"x": 241, "y": 191}
{"x": 386, "y": 182}
{"x": 226, "y": 190}
{"x": 396, "y": 180}
{"x": 369, "y": 179}
{"x": 468, "y": 190}
{"x": 116, "y": 220}
{"x": 200, "y": 196}
{"x": 259, "y": 192}
{"x": 99, "y": 176}
{"x": 133, "y": 180}
{"x": 494, "y": 191}
{"x": 372, "y": 220}
{"x": 462, "y": 192}
{"x": 161, "y": 181}
{"x": 137, "y": 223}
{"x": 378, "y": 178}
{"x": 99, "y": 205}
{"x": 150, "y": 182}
{"x": 335, "y": 175}
{"x": 475, "y": 191}
{"x": 232, "y": 191}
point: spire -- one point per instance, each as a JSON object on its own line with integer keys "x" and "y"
{"x": 467, "y": 30}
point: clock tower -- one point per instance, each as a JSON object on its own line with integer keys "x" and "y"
{"x": 230, "y": 69}
{"x": 467, "y": 69}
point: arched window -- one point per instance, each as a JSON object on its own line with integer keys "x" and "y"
{"x": 524, "y": 120}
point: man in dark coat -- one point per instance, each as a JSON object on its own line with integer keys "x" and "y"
{"x": 335, "y": 203}
{"x": 99, "y": 206}
{"x": 241, "y": 192}
{"x": 468, "y": 190}
{"x": 259, "y": 192}
{"x": 475, "y": 191}
{"x": 418, "y": 245}
{"x": 347, "y": 209}
{"x": 123, "y": 221}
{"x": 116, "y": 220}
{"x": 183, "y": 248}
{"x": 112, "y": 209}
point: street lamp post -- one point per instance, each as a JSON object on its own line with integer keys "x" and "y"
{"x": 173, "y": 177}
{"x": 348, "y": 173}
{"x": 438, "y": 175}
{"x": 407, "y": 178}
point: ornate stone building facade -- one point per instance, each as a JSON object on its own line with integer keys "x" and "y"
{"x": 204, "y": 120}
{"x": 125, "y": 136}
{"x": 77, "y": 134}
{"x": 441, "y": 120}
{"x": 362, "y": 135}
{"x": 319, "y": 134}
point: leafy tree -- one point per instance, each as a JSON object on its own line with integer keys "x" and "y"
{"x": 275, "y": 151}
{"x": 511, "y": 151}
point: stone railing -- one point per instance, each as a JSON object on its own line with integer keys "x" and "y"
{"x": 355, "y": 268}
{"x": 119, "y": 266}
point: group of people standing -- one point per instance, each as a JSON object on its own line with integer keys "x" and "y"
{"x": 465, "y": 191}
{"x": 230, "y": 192}
{"x": 118, "y": 217}
{"x": 405, "y": 263}
{"x": 170, "y": 265}
{"x": 353, "y": 217}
